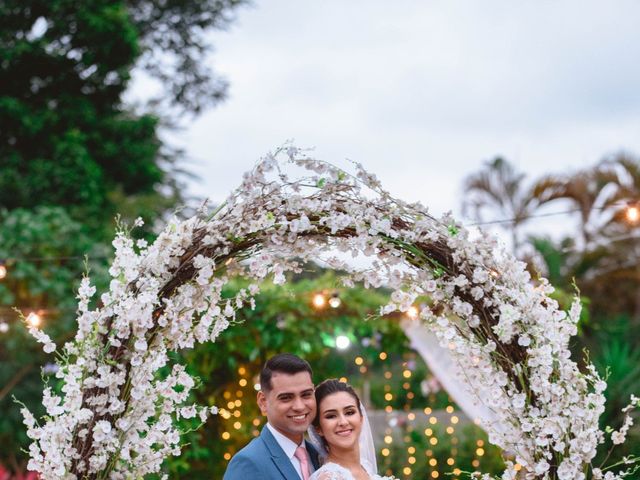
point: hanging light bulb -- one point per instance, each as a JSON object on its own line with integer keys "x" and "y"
{"x": 334, "y": 300}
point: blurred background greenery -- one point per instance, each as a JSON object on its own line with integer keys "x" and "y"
{"x": 73, "y": 155}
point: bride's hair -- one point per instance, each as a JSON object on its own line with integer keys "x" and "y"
{"x": 329, "y": 387}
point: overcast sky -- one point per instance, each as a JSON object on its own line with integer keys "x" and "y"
{"x": 422, "y": 92}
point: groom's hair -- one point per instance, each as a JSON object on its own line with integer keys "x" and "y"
{"x": 282, "y": 363}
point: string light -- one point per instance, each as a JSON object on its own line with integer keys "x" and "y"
{"x": 410, "y": 459}
{"x": 334, "y": 300}
{"x": 34, "y": 319}
{"x": 56, "y": 259}
{"x": 342, "y": 342}
{"x": 632, "y": 213}
{"x": 539, "y": 215}
{"x": 388, "y": 439}
{"x": 412, "y": 312}
{"x": 319, "y": 300}
{"x": 451, "y": 461}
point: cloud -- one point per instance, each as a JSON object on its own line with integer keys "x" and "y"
{"x": 423, "y": 92}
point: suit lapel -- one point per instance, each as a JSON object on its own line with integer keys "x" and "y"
{"x": 279, "y": 458}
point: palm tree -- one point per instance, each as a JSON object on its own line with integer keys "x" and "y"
{"x": 623, "y": 232}
{"x": 500, "y": 188}
{"x": 591, "y": 192}
{"x": 604, "y": 261}
{"x": 626, "y": 169}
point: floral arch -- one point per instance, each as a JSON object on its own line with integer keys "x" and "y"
{"x": 115, "y": 417}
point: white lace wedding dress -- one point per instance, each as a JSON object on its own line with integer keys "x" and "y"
{"x": 333, "y": 471}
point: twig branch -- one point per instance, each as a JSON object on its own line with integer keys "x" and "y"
{"x": 15, "y": 380}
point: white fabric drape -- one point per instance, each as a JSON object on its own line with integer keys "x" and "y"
{"x": 442, "y": 365}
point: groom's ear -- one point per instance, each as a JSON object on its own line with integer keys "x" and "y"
{"x": 262, "y": 402}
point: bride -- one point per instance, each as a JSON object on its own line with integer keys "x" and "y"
{"x": 342, "y": 435}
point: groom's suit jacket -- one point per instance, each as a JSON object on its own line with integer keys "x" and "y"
{"x": 264, "y": 459}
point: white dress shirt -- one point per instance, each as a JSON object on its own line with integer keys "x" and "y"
{"x": 289, "y": 448}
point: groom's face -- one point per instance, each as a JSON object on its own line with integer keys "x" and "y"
{"x": 290, "y": 405}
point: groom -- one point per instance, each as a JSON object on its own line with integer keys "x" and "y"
{"x": 287, "y": 398}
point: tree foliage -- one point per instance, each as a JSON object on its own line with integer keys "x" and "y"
{"x": 45, "y": 250}
{"x": 73, "y": 154}
{"x": 174, "y": 46}
{"x": 66, "y": 138}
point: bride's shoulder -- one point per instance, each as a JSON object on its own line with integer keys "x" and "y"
{"x": 331, "y": 471}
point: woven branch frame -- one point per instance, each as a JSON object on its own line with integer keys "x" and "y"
{"x": 115, "y": 417}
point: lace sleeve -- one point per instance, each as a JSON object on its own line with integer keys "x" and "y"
{"x": 331, "y": 471}
{"x": 327, "y": 476}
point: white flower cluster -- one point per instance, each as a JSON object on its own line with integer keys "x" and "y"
{"x": 116, "y": 416}
{"x": 43, "y": 338}
{"x": 620, "y": 436}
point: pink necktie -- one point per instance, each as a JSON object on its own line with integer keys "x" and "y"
{"x": 301, "y": 454}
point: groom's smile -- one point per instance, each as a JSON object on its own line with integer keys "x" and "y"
{"x": 290, "y": 405}
{"x": 300, "y": 418}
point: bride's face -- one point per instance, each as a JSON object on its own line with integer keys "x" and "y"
{"x": 340, "y": 420}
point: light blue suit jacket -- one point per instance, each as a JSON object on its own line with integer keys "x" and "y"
{"x": 264, "y": 459}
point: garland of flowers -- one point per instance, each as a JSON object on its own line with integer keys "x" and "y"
{"x": 115, "y": 416}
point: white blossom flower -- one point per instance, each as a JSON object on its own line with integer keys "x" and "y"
{"x": 481, "y": 301}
